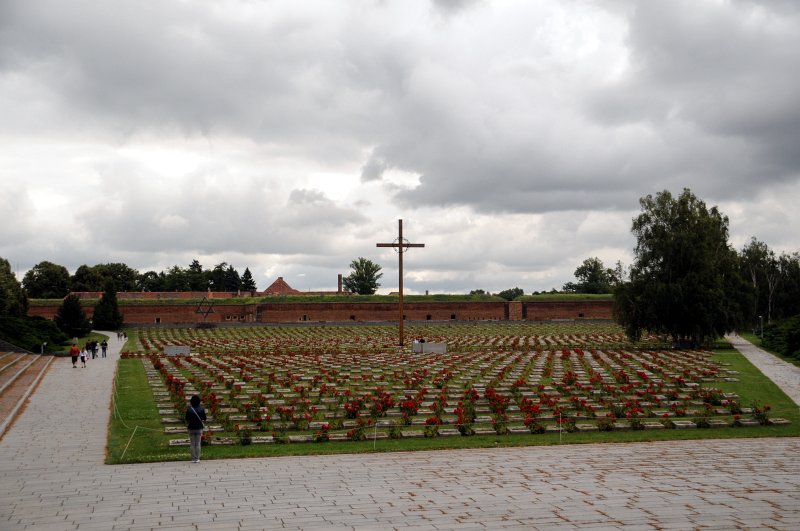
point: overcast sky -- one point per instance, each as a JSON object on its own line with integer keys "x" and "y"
{"x": 514, "y": 138}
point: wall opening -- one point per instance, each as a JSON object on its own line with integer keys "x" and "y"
{"x": 158, "y": 320}
{"x": 352, "y": 317}
{"x": 453, "y": 316}
{"x": 428, "y": 317}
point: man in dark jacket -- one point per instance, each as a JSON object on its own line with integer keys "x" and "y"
{"x": 195, "y": 417}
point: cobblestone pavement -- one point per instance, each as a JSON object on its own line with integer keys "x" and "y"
{"x": 52, "y": 477}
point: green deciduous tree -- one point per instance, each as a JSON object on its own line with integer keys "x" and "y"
{"x": 94, "y": 278}
{"x": 13, "y": 301}
{"x": 121, "y": 275}
{"x": 774, "y": 281}
{"x": 149, "y": 281}
{"x": 685, "y": 280}
{"x": 216, "y": 279}
{"x": 47, "y": 280}
{"x": 87, "y": 279}
{"x": 175, "y": 279}
{"x": 787, "y": 298}
{"x": 364, "y": 277}
{"x": 592, "y": 277}
{"x": 106, "y": 312}
{"x": 511, "y": 293}
{"x": 16, "y": 327}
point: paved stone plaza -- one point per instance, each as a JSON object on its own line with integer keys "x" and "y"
{"x": 52, "y": 476}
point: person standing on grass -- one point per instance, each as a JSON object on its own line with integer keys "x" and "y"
{"x": 74, "y": 351}
{"x": 195, "y": 417}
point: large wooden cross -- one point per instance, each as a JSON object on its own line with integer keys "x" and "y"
{"x": 401, "y": 245}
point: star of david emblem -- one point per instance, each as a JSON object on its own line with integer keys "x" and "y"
{"x": 205, "y": 307}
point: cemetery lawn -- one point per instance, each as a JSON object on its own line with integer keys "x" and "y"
{"x": 137, "y": 432}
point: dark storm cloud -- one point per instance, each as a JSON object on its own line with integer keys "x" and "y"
{"x": 709, "y": 101}
{"x": 727, "y": 74}
{"x": 708, "y": 98}
{"x": 201, "y": 70}
{"x": 519, "y": 135}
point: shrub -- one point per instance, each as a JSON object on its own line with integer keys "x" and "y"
{"x": 30, "y": 332}
{"x": 783, "y": 336}
{"x": 605, "y": 423}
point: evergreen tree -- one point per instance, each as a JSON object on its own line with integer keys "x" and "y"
{"x": 71, "y": 318}
{"x": 232, "y": 281}
{"x": 248, "y": 283}
{"x": 106, "y": 312}
{"x": 197, "y": 278}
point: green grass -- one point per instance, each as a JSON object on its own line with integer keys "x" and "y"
{"x": 566, "y": 297}
{"x": 136, "y": 429}
{"x": 134, "y": 409}
{"x": 753, "y": 386}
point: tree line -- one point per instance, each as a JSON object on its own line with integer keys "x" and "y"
{"x": 47, "y": 280}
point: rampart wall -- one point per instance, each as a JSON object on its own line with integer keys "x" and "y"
{"x": 142, "y": 313}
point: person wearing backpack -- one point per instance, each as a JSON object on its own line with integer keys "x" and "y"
{"x": 195, "y": 418}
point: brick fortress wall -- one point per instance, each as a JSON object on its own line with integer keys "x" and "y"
{"x": 292, "y": 312}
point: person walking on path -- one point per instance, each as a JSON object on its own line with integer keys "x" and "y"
{"x": 83, "y": 357}
{"x": 104, "y": 347}
{"x": 74, "y": 351}
{"x": 195, "y": 417}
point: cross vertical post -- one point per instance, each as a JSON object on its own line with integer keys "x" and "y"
{"x": 401, "y": 245}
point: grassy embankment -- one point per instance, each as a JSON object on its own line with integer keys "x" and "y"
{"x": 543, "y": 297}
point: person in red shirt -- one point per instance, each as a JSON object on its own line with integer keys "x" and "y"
{"x": 73, "y": 352}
